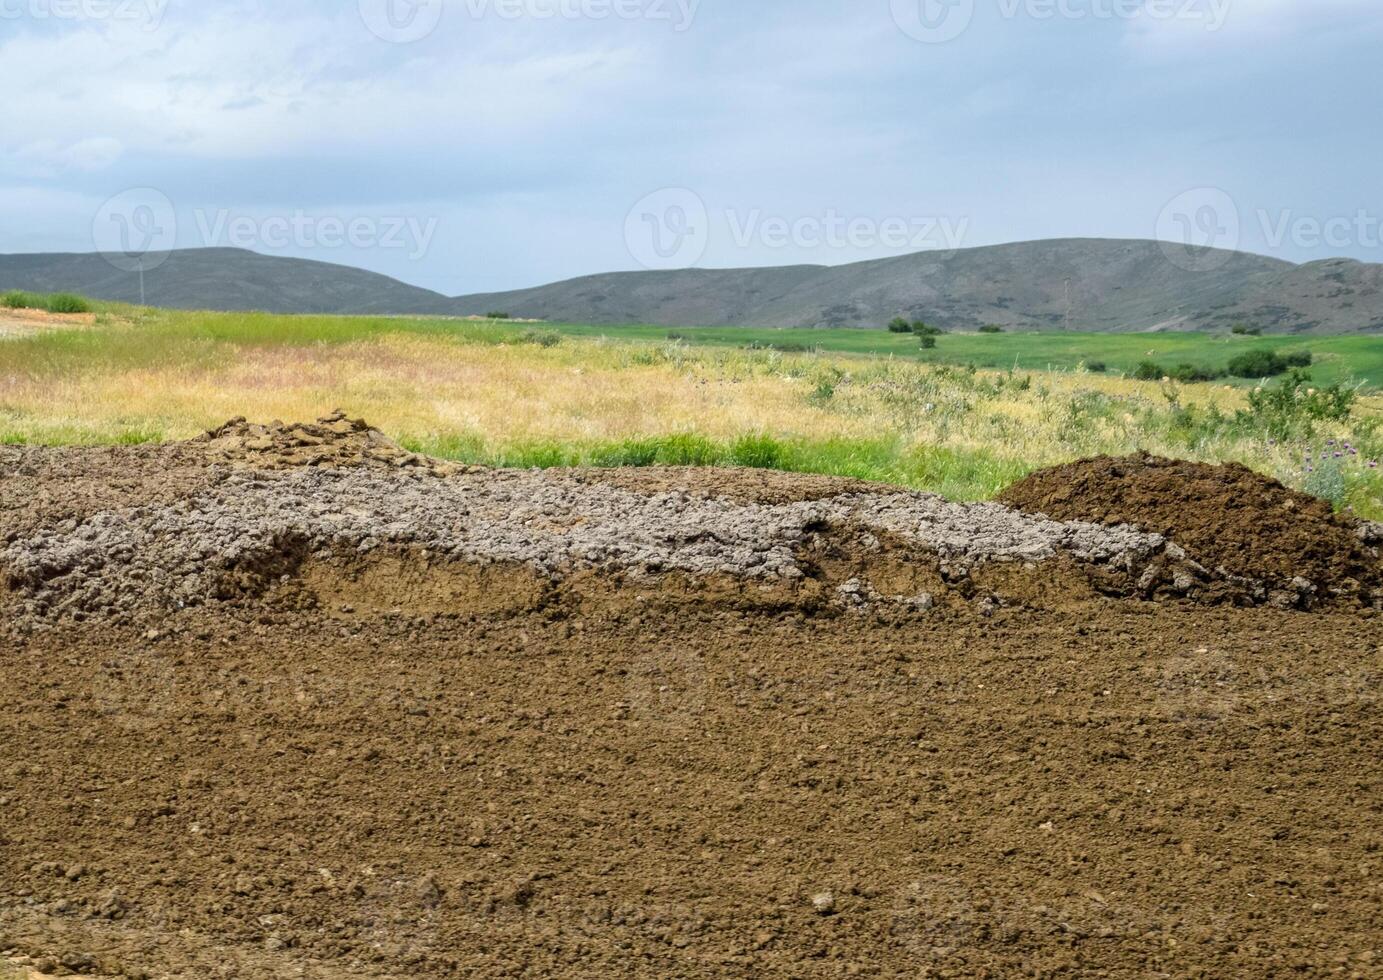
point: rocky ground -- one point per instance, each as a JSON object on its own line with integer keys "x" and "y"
{"x": 290, "y": 702}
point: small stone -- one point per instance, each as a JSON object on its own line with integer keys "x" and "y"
{"x": 824, "y": 903}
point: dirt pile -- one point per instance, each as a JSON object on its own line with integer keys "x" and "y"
{"x": 332, "y": 441}
{"x": 1228, "y": 518}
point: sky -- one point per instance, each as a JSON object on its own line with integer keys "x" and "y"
{"x": 482, "y": 145}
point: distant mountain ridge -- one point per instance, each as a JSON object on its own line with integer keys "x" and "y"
{"x": 1109, "y": 285}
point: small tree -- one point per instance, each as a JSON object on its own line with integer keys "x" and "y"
{"x": 928, "y": 341}
{"x": 991, "y": 328}
{"x": 899, "y": 325}
{"x": 924, "y": 330}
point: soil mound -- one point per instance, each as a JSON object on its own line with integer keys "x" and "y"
{"x": 332, "y": 441}
{"x": 1227, "y": 517}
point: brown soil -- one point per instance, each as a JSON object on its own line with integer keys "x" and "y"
{"x": 741, "y": 486}
{"x": 23, "y": 322}
{"x": 332, "y": 441}
{"x": 410, "y": 768}
{"x": 1226, "y": 517}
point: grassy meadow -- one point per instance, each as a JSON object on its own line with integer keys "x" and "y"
{"x": 853, "y": 403}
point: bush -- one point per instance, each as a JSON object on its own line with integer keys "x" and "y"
{"x": 929, "y": 342}
{"x": 899, "y": 325}
{"x": 1291, "y": 408}
{"x": 17, "y": 299}
{"x": 1149, "y": 371}
{"x": 1190, "y": 374}
{"x": 1267, "y": 364}
{"x": 991, "y": 328}
{"x": 922, "y": 329}
{"x": 498, "y": 316}
{"x": 1244, "y": 330}
{"x": 541, "y": 338}
{"x": 1097, "y": 367}
{"x": 67, "y": 303}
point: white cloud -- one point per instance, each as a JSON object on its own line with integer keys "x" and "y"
{"x": 228, "y": 86}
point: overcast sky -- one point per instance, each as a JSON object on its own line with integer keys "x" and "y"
{"x": 476, "y": 145}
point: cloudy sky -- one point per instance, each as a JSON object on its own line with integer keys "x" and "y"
{"x": 476, "y": 145}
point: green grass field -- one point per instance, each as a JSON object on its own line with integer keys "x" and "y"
{"x": 1343, "y": 359}
{"x": 963, "y": 420}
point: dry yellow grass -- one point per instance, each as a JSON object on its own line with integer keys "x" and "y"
{"x": 478, "y": 394}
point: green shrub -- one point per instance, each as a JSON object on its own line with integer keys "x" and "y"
{"x": 498, "y": 315}
{"x": 66, "y": 303}
{"x": 991, "y": 328}
{"x": 17, "y": 299}
{"x": 1097, "y": 367}
{"x": 923, "y": 329}
{"x": 1244, "y": 330}
{"x": 1149, "y": 371}
{"x": 1290, "y": 408}
{"x": 1256, "y": 364}
{"x": 540, "y": 338}
{"x": 1190, "y": 374}
{"x": 899, "y": 325}
{"x": 929, "y": 342}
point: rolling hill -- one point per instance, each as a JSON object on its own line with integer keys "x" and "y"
{"x": 1102, "y": 285}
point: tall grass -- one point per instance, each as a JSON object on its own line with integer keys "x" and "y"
{"x": 505, "y": 394}
{"x": 16, "y": 299}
